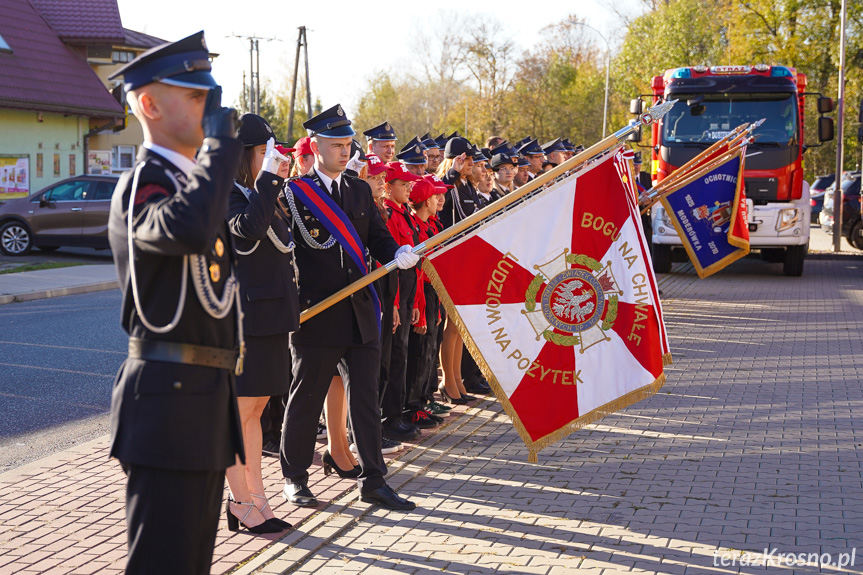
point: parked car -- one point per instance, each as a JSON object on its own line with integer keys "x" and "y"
{"x": 852, "y": 226}
{"x": 816, "y": 194}
{"x": 73, "y": 212}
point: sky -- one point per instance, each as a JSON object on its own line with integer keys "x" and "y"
{"x": 348, "y": 42}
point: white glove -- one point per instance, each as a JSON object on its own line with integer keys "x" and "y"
{"x": 406, "y": 258}
{"x": 272, "y": 158}
{"x": 355, "y": 164}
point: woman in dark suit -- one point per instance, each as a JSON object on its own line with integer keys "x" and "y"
{"x": 268, "y": 291}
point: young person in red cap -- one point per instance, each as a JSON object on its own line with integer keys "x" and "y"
{"x": 397, "y": 424}
{"x": 425, "y": 197}
{"x": 304, "y": 158}
{"x": 387, "y": 286}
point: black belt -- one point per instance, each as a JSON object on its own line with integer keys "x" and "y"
{"x": 186, "y": 353}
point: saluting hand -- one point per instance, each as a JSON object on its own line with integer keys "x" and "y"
{"x": 274, "y": 161}
{"x": 459, "y": 161}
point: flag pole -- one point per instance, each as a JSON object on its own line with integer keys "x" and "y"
{"x": 652, "y": 115}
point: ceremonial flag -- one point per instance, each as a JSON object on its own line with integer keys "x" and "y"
{"x": 708, "y": 210}
{"x": 556, "y": 300}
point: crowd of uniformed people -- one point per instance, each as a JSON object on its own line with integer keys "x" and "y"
{"x": 222, "y": 370}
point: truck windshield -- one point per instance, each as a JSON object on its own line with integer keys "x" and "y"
{"x": 706, "y": 118}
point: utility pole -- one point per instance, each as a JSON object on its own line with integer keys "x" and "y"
{"x": 254, "y": 105}
{"x": 302, "y": 43}
{"x": 840, "y": 157}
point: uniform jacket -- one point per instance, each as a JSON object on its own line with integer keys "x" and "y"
{"x": 170, "y": 415}
{"x": 268, "y": 288}
{"x": 324, "y": 272}
{"x": 462, "y": 199}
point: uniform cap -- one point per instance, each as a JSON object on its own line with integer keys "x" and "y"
{"x": 456, "y": 147}
{"x": 375, "y": 164}
{"x": 522, "y": 161}
{"x": 184, "y": 63}
{"x": 397, "y": 171}
{"x": 504, "y": 148}
{"x": 556, "y": 145}
{"x": 441, "y": 141}
{"x": 355, "y": 147}
{"x": 567, "y": 143}
{"x": 412, "y": 153}
{"x": 332, "y": 123}
{"x": 636, "y": 158}
{"x": 531, "y": 148}
{"x": 381, "y": 132}
{"x": 503, "y": 159}
{"x": 429, "y": 142}
{"x": 255, "y": 130}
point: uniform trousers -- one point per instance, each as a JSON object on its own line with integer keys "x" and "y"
{"x": 394, "y": 395}
{"x": 172, "y": 517}
{"x": 421, "y": 352}
{"x": 434, "y": 377}
{"x": 387, "y": 305}
{"x": 313, "y": 369}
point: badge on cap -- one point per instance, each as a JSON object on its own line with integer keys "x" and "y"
{"x": 417, "y": 149}
{"x": 387, "y": 126}
{"x": 339, "y": 111}
{"x": 215, "y": 272}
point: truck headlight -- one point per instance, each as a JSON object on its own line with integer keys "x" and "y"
{"x": 788, "y": 218}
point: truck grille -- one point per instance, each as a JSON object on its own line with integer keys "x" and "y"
{"x": 762, "y": 188}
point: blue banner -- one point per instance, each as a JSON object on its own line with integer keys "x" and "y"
{"x": 709, "y": 213}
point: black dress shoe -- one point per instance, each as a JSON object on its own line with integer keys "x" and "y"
{"x": 398, "y": 430}
{"x": 480, "y": 387}
{"x": 386, "y": 497}
{"x": 299, "y": 495}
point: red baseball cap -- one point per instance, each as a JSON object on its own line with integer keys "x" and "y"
{"x": 423, "y": 190}
{"x": 396, "y": 171}
{"x": 375, "y": 164}
{"x": 283, "y": 150}
{"x": 302, "y": 147}
{"x": 438, "y": 183}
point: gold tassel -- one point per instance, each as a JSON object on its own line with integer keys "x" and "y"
{"x": 666, "y": 359}
{"x": 533, "y": 446}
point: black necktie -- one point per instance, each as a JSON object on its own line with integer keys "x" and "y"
{"x": 337, "y": 198}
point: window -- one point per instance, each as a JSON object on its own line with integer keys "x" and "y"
{"x": 122, "y": 56}
{"x": 71, "y": 165}
{"x": 56, "y": 165}
{"x": 39, "y": 165}
{"x": 104, "y": 191}
{"x": 68, "y": 191}
{"x": 4, "y": 46}
{"x": 123, "y": 157}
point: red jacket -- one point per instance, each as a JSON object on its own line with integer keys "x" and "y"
{"x": 403, "y": 226}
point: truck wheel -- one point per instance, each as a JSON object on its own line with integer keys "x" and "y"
{"x": 855, "y": 238}
{"x": 661, "y": 258}
{"x": 793, "y": 264}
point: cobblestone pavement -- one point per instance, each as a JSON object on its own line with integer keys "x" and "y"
{"x": 751, "y": 445}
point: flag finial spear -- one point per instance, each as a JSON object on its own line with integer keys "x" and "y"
{"x": 656, "y": 113}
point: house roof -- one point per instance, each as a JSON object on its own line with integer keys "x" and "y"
{"x": 83, "y": 21}
{"x": 41, "y": 73}
{"x": 141, "y": 40}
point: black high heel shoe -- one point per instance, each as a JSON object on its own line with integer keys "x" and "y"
{"x": 449, "y": 399}
{"x": 234, "y": 522}
{"x": 273, "y": 520}
{"x": 330, "y": 466}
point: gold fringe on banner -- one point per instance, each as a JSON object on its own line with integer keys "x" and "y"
{"x": 586, "y": 419}
{"x": 666, "y": 359}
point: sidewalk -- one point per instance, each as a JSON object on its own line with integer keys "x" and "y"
{"x": 751, "y": 445}
{"x": 26, "y": 286}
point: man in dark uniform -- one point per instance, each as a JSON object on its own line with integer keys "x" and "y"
{"x": 434, "y": 153}
{"x": 555, "y": 151}
{"x": 345, "y": 336}
{"x": 534, "y": 154}
{"x": 382, "y": 141}
{"x": 413, "y": 157}
{"x": 174, "y": 422}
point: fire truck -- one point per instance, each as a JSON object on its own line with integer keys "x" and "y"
{"x": 712, "y": 101}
